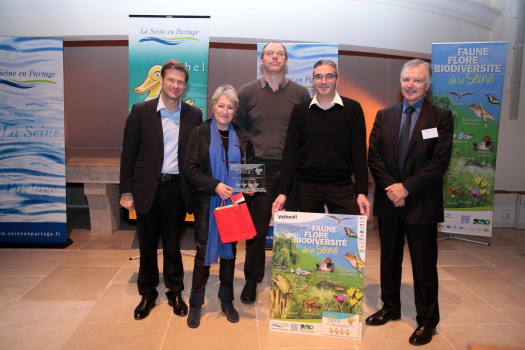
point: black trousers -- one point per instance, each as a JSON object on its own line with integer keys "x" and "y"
{"x": 261, "y": 212}
{"x": 202, "y": 272}
{"x": 422, "y": 243}
{"x": 339, "y": 199}
{"x": 163, "y": 220}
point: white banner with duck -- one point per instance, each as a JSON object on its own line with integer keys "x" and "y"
{"x": 468, "y": 79}
{"x": 318, "y": 274}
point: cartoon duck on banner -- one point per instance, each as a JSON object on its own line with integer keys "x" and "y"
{"x": 152, "y": 85}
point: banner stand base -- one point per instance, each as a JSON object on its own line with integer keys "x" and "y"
{"x": 37, "y": 245}
{"x": 451, "y": 237}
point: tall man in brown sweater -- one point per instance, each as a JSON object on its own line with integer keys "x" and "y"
{"x": 265, "y": 106}
{"x": 326, "y": 144}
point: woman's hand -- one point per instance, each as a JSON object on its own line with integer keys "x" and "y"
{"x": 224, "y": 191}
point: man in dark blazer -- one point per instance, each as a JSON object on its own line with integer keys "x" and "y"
{"x": 155, "y": 139}
{"x": 409, "y": 152}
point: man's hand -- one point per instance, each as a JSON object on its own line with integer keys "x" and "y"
{"x": 399, "y": 203}
{"x": 396, "y": 192}
{"x": 279, "y": 203}
{"x": 224, "y": 191}
{"x": 126, "y": 200}
{"x": 364, "y": 205}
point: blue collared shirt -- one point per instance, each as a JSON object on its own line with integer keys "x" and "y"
{"x": 170, "y": 131}
{"x": 415, "y": 115}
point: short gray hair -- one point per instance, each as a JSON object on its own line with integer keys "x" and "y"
{"x": 326, "y": 62}
{"x": 417, "y": 62}
{"x": 229, "y": 92}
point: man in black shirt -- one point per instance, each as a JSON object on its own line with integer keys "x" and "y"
{"x": 326, "y": 144}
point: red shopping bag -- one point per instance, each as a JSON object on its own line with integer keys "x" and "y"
{"x": 234, "y": 222}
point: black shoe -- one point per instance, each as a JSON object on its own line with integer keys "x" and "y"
{"x": 194, "y": 317}
{"x": 249, "y": 292}
{"x": 179, "y": 307}
{"x": 196, "y": 302}
{"x": 143, "y": 309}
{"x": 231, "y": 314}
{"x": 226, "y": 297}
{"x": 382, "y": 316}
{"x": 422, "y": 335}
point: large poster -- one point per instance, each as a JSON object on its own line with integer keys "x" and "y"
{"x": 155, "y": 39}
{"x": 32, "y": 160}
{"x": 468, "y": 79}
{"x": 318, "y": 274}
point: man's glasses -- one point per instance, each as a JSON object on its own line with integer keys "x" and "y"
{"x": 320, "y": 77}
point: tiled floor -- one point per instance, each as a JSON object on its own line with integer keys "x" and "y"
{"x": 83, "y": 297}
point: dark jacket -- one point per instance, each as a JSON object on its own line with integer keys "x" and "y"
{"x": 143, "y": 152}
{"x": 425, "y": 164}
{"x": 197, "y": 170}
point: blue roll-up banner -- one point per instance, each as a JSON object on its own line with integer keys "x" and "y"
{"x": 301, "y": 60}
{"x": 468, "y": 79}
{"x": 32, "y": 151}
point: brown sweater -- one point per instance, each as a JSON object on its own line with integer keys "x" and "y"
{"x": 265, "y": 115}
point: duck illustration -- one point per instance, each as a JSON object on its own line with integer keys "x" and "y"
{"x": 151, "y": 84}
{"x": 327, "y": 266}
{"x": 485, "y": 145}
{"x": 191, "y": 102}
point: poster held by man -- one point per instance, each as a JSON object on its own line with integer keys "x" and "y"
{"x": 318, "y": 272}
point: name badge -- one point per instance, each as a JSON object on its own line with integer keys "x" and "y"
{"x": 429, "y": 133}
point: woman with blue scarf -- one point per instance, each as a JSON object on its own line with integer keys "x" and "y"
{"x": 212, "y": 146}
